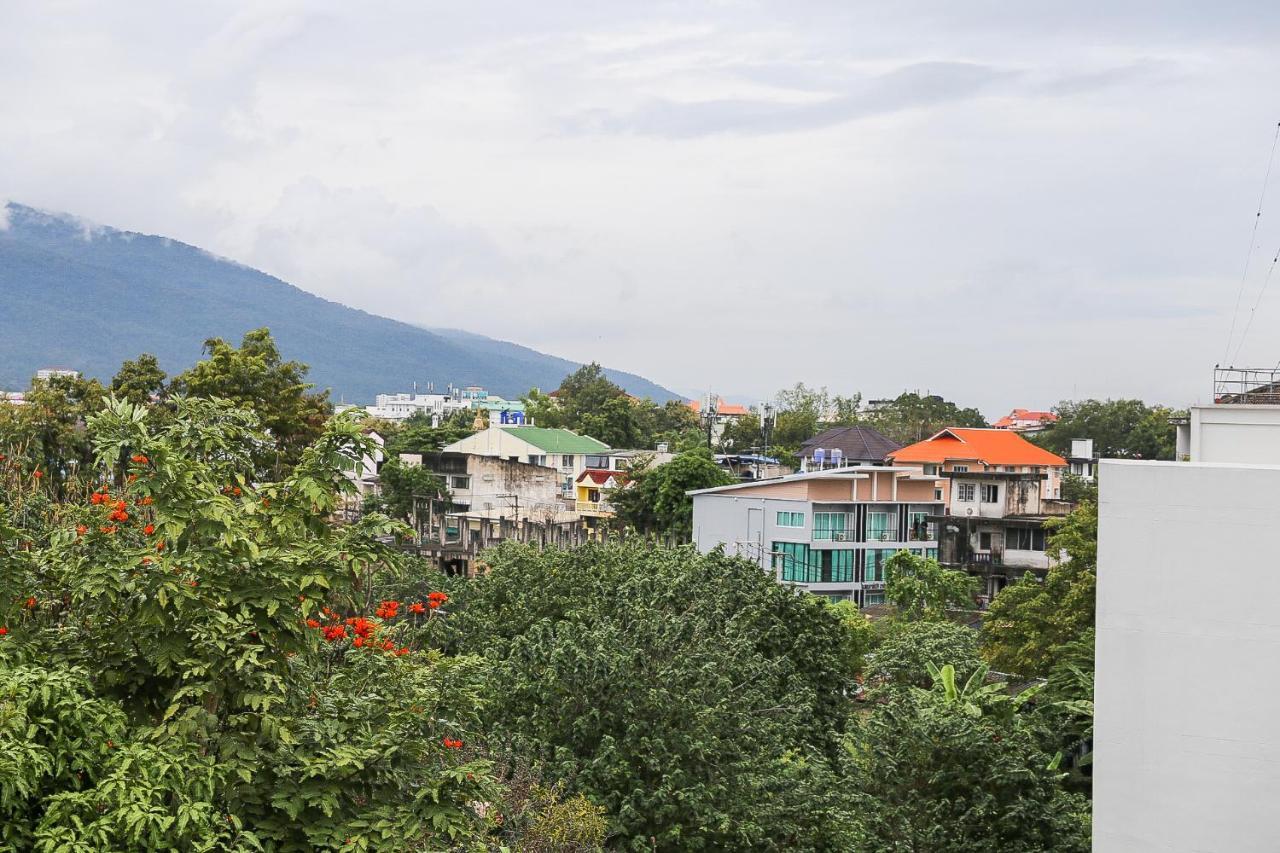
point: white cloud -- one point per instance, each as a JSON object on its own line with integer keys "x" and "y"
{"x": 1004, "y": 206}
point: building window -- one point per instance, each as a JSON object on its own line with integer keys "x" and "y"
{"x": 984, "y": 541}
{"x": 841, "y": 566}
{"x": 461, "y": 483}
{"x": 873, "y": 598}
{"x": 1025, "y": 539}
{"x": 598, "y": 462}
{"x": 990, "y": 493}
{"x": 937, "y": 494}
{"x": 566, "y": 462}
{"x": 873, "y": 561}
{"x": 567, "y": 487}
{"x": 930, "y": 470}
{"x": 921, "y": 530}
{"x": 793, "y": 558}
{"x": 829, "y": 525}
{"x": 964, "y": 492}
{"x": 537, "y": 460}
{"x": 791, "y": 519}
{"x": 960, "y": 469}
{"x": 880, "y": 527}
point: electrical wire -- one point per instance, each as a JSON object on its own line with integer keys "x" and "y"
{"x": 1253, "y": 236}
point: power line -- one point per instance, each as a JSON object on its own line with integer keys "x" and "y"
{"x": 1249, "y": 255}
{"x": 1256, "y": 303}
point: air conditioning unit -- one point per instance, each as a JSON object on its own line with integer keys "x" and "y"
{"x": 839, "y": 536}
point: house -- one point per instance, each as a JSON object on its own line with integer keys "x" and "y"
{"x": 1082, "y": 461}
{"x": 848, "y": 445}
{"x": 716, "y": 415}
{"x": 1026, "y": 420}
{"x": 752, "y": 466}
{"x": 1186, "y": 598}
{"x": 999, "y": 489}
{"x": 398, "y": 407}
{"x": 567, "y": 452}
{"x": 828, "y": 532}
{"x": 593, "y": 486}
{"x": 363, "y": 474}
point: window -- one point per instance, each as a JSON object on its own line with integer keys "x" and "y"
{"x": 873, "y": 598}
{"x": 829, "y": 525}
{"x": 931, "y": 553}
{"x": 879, "y": 528}
{"x": 873, "y": 561}
{"x": 964, "y": 492}
{"x": 841, "y": 567}
{"x": 793, "y": 558}
{"x": 959, "y": 469}
{"x": 538, "y": 460}
{"x": 461, "y": 483}
{"x": 990, "y": 493}
{"x": 984, "y": 541}
{"x": 921, "y": 529}
{"x": 931, "y": 469}
{"x": 1025, "y": 539}
{"x": 567, "y": 486}
{"x": 791, "y": 519}
{"x": 937, "y": 494}
{"x": 566, "y": 461}
{"x": 595, "y": 462}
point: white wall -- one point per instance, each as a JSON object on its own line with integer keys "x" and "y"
{"x": 1187, "y": 706}
{"x": 1231, "y": 433}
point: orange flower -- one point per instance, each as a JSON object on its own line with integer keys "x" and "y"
{"x": 37, "y": 473}
{"x": 95, "y": 499}
{"x": 417, "y": 607}
{"x": 236, "y": 491}
{"x": 311, "y": 623}
{"x": 266, "y": 502}
{"x": 3, "y": 630}
{"x": 402, "y": 652}
{"x": 31, "y": 603}
{"x": 159, "y": 546}
{"x": 149, "y": 529}
{"x": 450, "y": 743}
{"x": 358, "y": 642}
{"x": 132, "y": 477}
{"x": 195, "y": 583}
{"x": 145, "y": 501}
{"x": 81, "y": 530}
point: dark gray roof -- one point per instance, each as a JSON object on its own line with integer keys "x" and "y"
{"x": 859, "y": 443}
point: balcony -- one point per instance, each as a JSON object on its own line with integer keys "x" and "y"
{"x": 601, "y": 508}
{"x": 833, "y": 536}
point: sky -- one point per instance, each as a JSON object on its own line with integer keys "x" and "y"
{"x": 1008, "y": 204}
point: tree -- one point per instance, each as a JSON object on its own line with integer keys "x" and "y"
{"x": 912, "y": 417}
{"x": 139, "y": 380}
{"x": 656, "y": 499}
{"x": 920, "y": 588}
{"x": 1031, "y": 621}
{"x": 958, "y": 768}
{"x": 405, "y": 490}
{"x": 255, "y": 377}
{"x": 417, "y": 433}
{"x": 858, "y": 626}
{"x": 699, "y": 701}
{"x": 191, "y": 659}
{"x": 48, "y": 435}
{"x": 904, "y": 658}
{"x": 1124, "y": 429}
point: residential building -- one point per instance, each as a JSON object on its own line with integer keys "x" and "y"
{"x": 494, "y": 487}
{"x": 848, "y": 445}
{"x": 998, "y": 490}
{"x": 1082, "y": 462}
{"x": 567, "y": 452}
{"x": 752, "y": 466}
{"x": 45, "y": 374}
{"x": 829, "y": 532}
{"x": 1185, "y": 740}
{"x": 363, "y": 473}
{"x": 593, "y": 487}
{"x": 13, "y": 398}
{"x": 1026, "y": 420}
{"x": 716, "y": 414}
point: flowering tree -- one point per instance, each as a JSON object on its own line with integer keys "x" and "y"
{"x": 192, "y": 659}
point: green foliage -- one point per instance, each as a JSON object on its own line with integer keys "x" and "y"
{"x": 696, "y": 699}
{"x": 255, "y": 377}
{"x": 920, "y": 588}
{"x": 1030, "y": 621}
{"x": 1124, "y": 429}
{"x": 160, "y": 686}
{"x": 405, "y": 488}
{"x": 1065, "y": 709}
{"x": 589, "y": 404}
{"x": 417, "y": 435}
{"x": 655, "y": 499}
{"x": 48, "y": 434}
{"x": 139, "y": 380}
{"x": 862, "y": 634}
{"x": 913, "y": 417}
{"x": 959, "y": 768}
{"x": 904, "y": 658}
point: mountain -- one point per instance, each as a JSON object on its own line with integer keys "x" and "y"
{"x": 88, "y": 297}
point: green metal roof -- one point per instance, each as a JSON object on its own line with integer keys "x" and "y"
{"x": 557, "y": 440}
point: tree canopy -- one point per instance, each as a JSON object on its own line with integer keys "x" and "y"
{"x": 655, "y": 501}
{"x": 1123, "y": 429}
{"x": 1030, "y": 622}
{"x": 699, "y": 701}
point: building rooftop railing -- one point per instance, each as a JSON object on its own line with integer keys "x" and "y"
{"x": 1258, "y": 386}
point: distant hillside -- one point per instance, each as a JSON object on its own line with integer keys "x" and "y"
{"x": 88, "y": 298}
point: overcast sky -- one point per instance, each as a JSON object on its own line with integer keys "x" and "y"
{"x": 1006, "y": 203}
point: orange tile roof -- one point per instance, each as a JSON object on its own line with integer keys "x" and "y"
{"x": 991, "y": 446}
{"x": 732, "y": 410}
{"x": 599, "y": 476}
{"x": 1024, "y": 415}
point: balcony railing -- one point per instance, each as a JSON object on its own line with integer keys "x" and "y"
{"x": 834, "y": 535}
{"x": 1257, "y": 386}
{"x": 600, "y": 507}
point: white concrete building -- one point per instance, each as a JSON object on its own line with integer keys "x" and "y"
{"x": 1186, "y": 742}
{"x": 566, "y": 451}
{"x": 829, "y": 532}
{"x": 398, "y": 407}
